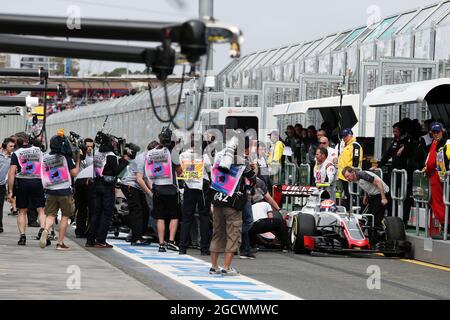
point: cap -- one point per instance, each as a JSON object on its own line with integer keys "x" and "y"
{"x": 274, "y": 132}
{"x": 437, "y": 127}
{"x": 346, "y": 132}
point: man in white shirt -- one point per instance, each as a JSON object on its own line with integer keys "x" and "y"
{"x": 325, "y": 171}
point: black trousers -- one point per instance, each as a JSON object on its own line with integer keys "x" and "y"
{"x": 377, "y": 209}
{"x": 101, "y": 219}
{"x": 85, "y": 204}
{"x": 276, "y": 226}
{"x": 2, "y": 201}
{"x": 345, "y": 194}
{"x": 139, "y": 211}
{"x": 195, "y": 200}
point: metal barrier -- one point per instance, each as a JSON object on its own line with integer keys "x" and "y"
{"x": 290, "y": 171}
{"x": 304, "y": 175}
{"x": 398, "y": 199}
{"x": 421, "y": 195}
{"x": 275, "y": 173}
{"x": 354, "y": 190}
{"x": 379, "y": 173}
{"x": 447, "y": 203}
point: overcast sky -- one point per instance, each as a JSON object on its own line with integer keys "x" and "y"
{"x": 265, "y": 23}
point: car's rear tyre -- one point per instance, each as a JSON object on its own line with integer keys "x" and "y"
{"x": 302, "y": 225}
{"x": 394, "y": 228}
{"x": 394, "y": 231}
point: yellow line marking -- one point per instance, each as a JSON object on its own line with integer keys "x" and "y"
{"x": 424, "y": 264}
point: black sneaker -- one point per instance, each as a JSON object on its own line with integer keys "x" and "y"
{"x": 90, "y": 244}
{"x": 162, "y": 248}
{"x": 248, "y": 256}
{"x": 182, "y": 252}
{"x": 172, "y": 246}
{"x": 1, "y": 229}
{"x": 22, "y": 240}
{"x": 205, "y": 253}
{"x": 140, "y": 242}
{"x": 34, "y": 224}
{"x": 13, "y": 213}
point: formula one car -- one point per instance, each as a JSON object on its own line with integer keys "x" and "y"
{"x": 319, "y": 225}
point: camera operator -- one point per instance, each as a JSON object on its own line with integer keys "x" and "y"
{"x": 24, "y": 177}
{"x": 196, "y": 197}
{"x": 107, "y": 166}
{"x": 161, "y": 170}
{"x": 229, "y": 198}
{"x": 57, "y": 170}
{"x": 135, "y": 191}
{"x": 5, "y": 161}
{"x": 84, "y": 189}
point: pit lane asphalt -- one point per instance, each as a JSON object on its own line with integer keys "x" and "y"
{"x": 320, "y": 276}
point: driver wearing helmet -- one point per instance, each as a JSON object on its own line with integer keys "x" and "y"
{"x": 328, "y": 206}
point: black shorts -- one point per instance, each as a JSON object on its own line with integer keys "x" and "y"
{"x": 166, "y": 207}
{"x": 29, "y": 194}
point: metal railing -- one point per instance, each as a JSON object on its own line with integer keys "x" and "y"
{"x": 379, "y": 173}
{"x": 421, "y": 193}
{"x": 447, "y": 203}
{"x": 275, "y": 173}
{"x": 290, "y": 171}
{"x": 398, "y": 199}
{"x": 304, "y": 175}
{"x": 354, "y": 191}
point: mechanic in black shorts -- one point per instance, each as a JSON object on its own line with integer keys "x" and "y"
{"x": 162, "y": 171}
{"x": 24, "y": 177}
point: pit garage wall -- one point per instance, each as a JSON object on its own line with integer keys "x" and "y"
{"x": 430, "y": 251}
{"x": 11, "y": 125}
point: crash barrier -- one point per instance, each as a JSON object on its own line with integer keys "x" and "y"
{"x": 447, "y": 203}
{"x": 290, "y": 171}
{"x": 355, "y": 193}
{"x": 398, "y": 194}
{"x": 304, "y": 175}
{"x": 421, "y": 195}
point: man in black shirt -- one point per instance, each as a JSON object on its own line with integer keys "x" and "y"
{"x": 107, "y": 167}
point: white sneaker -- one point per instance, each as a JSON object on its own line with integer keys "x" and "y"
{"x": 215, "y": 271}
{"x": 230, "y": 272}
{"x": 43, "y": 239}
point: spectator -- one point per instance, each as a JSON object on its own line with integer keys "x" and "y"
{"x": 293, "y": 142}
{"x": 400, "y": 151}
{"x": 332, "y": 152}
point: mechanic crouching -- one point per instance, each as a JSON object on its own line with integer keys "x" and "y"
{"x": 376, "y": 192}
{"x": 266, "y": 215}
{"x": 107, "y": 167}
